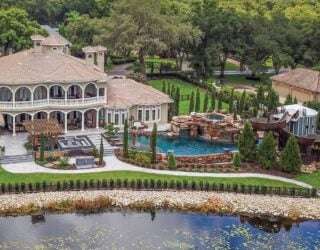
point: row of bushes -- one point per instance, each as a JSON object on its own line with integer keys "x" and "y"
{"x": 147, "y": 184}
{"x": 122, "y": 60}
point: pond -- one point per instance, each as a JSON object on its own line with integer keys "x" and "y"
{"x": 185, "y": 145}
{"x": 161, "y": 230}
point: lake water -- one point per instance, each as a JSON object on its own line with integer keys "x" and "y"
{"x": 185, "y": 145}
{"x": 161, "y": 230}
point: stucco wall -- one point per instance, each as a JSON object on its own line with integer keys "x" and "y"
{"x": 284, "y": 89}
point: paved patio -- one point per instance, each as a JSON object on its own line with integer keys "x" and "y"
{"x": 113, "y": 164}
{"x": 14, "y": 144}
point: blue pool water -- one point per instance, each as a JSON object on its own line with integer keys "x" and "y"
{"x": 186, "y": 145}
{"x": 215, "y": 117}
{"x": 160, "y": 230}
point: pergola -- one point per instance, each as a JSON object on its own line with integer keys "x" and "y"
{"x": 51, "y": 129}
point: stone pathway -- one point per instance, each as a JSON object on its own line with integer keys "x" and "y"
{"x": 113, "y": 164}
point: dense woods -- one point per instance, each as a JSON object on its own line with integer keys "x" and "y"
{"x": 257, "y": 33}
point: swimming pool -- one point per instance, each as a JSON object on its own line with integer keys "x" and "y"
{"x": 215, "y": 117}
{"x": 185, "y": 145}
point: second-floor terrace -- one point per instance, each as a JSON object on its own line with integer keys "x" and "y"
{"x": 24, "y": 98}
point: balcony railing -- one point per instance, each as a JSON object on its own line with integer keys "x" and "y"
{"x": 52, "y": 103}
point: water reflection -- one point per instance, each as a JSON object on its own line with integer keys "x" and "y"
{"x": 161, "y": 230}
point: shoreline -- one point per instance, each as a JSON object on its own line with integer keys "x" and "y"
{"x": 294, "y": 209}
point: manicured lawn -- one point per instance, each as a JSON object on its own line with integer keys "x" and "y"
{"x": 312, "y": 179}
{"x": 242, "y": 80}
{"x": 185, "y": 89}
{"x": 6, "y": 177}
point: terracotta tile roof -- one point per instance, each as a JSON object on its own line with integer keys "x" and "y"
{"x": 303, "y": 78}
{"x": 31, "y": 67}
{"x": 126, "y": 93}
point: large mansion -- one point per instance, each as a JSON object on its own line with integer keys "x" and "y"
{"x": 46, "y": 82}
{"x": 304, "y": 84}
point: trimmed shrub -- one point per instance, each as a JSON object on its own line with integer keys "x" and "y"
{"x": 172, "y": 165}
{"x": 159, "y": 184}
{"x": 146, "y": 183}
{"x": 44, "y": 186}
{"x": 133, "y": 184}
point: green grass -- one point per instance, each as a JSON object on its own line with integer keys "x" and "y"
{"x": 6, "y": 177}
{"x": 312, "y": 179}
{"x": 242, "y": 80}
{"x": 185, "y": 89}
{"x": 230, "y": 66}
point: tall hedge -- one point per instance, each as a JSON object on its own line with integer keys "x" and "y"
{"x": 153, "y": 144}
{"x": 290, "y": 157}
{"x": 247, "y": 143}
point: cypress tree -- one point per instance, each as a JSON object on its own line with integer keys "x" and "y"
{"x": 42, "y": 146}
{"x": 172, "y": 165}
{"x": 236, "y": 161}
{"x": 295, "y": 100}
{"x": 153, "y": 144}
{"x": 191, "y": 103}
{"x": 168, "y": 89}
{"x": 267, "y": 154}
{"x": 219, "y": 102}
{"x": 272, "y": 100}
{"x": 172, "y": 92}
{"x": 177, "y": 101}
{"x": 213, "y": 101}
{"x": 126, "y": 140}
{"x": 205, "y": 102}
{"x": 197, "y": 104}
{"x": 101, "y": 151}
{"x": 242, "y": 102}
{"x": 260, "y": 95}
{"x": 247, "y": 143}
{"x": 164, "y": 89}
{"x": 288, "y": 100}
{"x": 290, "y": 157}
{"x": 231, "y": 102}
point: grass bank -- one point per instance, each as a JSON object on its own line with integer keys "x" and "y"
{"x": 312, "y": 179}
{"x": 6, "y": 178}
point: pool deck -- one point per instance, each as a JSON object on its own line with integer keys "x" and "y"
{"x": 114, "y": 164}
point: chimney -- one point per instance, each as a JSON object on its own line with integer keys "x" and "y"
{"x": 95, "y": 56}
{"x": 37, "y": 42}
{"x": 89, "y": 53}
{"x": 101, "y": 52}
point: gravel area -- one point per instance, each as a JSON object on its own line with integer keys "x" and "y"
{"x": 249, "y": 204}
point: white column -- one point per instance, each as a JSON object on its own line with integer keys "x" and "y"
{"x": 48, "y": 94}
{"x": 82, "y": 121}
{"x": 14, "y": 98}
{"x": 32, "y": 97}
{"x": 14, "y": 126}
{"x": 65, "y": 95}
{"x": 32, "y": 117}
{"x": 97, "y": 119}
{"x": 65, "y": 123}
